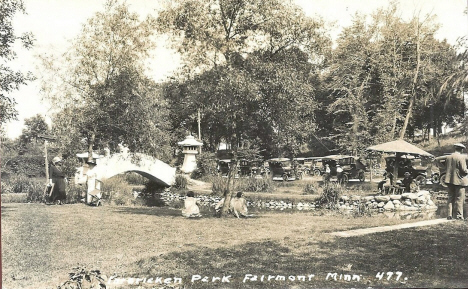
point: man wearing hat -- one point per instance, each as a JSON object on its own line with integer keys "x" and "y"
{"x": 456, "y": 178}
{"x": 339, "y": 173}
{"x": 57, "y": 178}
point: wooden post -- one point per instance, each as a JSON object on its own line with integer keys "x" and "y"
{"x": 199, "y": 129}
{"x": 46, "y": 162}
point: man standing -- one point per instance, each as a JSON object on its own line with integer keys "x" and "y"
{"x": 456, "y": 178}
{"x": 339, "y": 174}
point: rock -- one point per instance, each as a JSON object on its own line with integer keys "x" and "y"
{"x": 355, "y": 198}
{"x": 407, "y": 202}
{"x": 412, "y": 196}
{"x": 396, "y": 202}
{"x": 382, "y": 198}
{"x": 405, "y": 195}
{"x": 421, "y": 200}
{"x": 389, "y": 206}
{"x": 423, "y": 193}
{"x": 345, "y": 198}
{"x": 430, "y": 203}
{"x": 381, "y": 205}
{"x": 395, "y": 197}
{"x": 368, "y": 198}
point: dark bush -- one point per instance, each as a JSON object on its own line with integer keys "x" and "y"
{"x": 255, "y": 185}
{"x": 330, "y": 195}
{"x": 180, "y": 182}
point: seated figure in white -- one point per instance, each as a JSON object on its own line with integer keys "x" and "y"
{"x": 191, "y": 209}
{"x": 238, "y": 206}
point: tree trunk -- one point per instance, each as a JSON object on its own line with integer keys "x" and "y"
{"x": 413, "y": 88}
{"x": 407, "y": 118}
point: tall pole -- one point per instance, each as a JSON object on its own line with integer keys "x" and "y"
{"x": 46, "y": 161}
{"x": 199, "y": 130}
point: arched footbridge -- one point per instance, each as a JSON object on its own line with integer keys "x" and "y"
{"x": 147, "y": 166}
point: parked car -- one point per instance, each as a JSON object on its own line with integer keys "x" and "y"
{"x": 223, "y": 167}
{"x": 353, "y": 167}
{"x": 413, "y": 165}
{"x": 302, "y": 165}
{"x": 284, "y": 169}
{"x": 315, "y": 165}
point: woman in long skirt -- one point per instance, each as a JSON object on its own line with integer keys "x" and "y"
{"x": 57, "y": 178}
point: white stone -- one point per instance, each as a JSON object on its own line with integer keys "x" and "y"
{"x": 395, "y": 197}
{"x": 382, "y": 198}
{"x": 389, "y": 206}
{"x": 381, "y": 205}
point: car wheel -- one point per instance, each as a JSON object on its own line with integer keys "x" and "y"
{"x": 361, "y": 177}
{"x": 435, "y": 178}
{"x": 285, "y": 177}
{"x": 442, "y": 180}
{"x": 420, "y": 180}
{"x": 344, "y": 179}
{"x": 317, "y": 172}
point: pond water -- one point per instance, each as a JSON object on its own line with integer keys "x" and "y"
{"x": 440, "y": 212}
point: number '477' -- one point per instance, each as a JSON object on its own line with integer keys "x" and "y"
{"x": 381, "y": 275}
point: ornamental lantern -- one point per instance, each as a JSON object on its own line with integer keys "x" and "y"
{"x": 190, "y": 149}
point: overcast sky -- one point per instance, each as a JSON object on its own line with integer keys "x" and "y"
{"x": 54, "y": 22}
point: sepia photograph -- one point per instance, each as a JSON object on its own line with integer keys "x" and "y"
{"x": 179, "y": 144}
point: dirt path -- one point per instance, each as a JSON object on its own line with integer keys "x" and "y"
{"x": 359, "y": 232}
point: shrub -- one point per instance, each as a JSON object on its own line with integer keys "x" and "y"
{"x": 218, "y": 185}
{"x": 206, "y": 165}
{"x": 255, "y": 185}
{"x": 75, "y": 193}
{"x": 15, "y": 198}
{"x": 135, "y": 179}
{"x": 116, "y": 191}
{"x": 180, "y": 182}
{"x": 311, "y": 189}
{"x": 330, "y": 195}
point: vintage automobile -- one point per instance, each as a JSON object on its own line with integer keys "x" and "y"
{"x": 223, "y": 167}
{"x": 283, "y": 169}
{"x": 315, "y": 165}
{"x": 258, "y": 169}
{"x": 249, "y": 168}
{"x": 413, "y": 165}
{"x": 302, "y": 165}
{"x": 353, "y": 167}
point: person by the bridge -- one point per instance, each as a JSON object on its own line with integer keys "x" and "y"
{"x": 456, "y": 178}
{"x": 191, "y": 209}
{"x": 57, "y": 182}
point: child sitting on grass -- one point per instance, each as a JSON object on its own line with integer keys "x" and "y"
{"x": 191, "y": 209}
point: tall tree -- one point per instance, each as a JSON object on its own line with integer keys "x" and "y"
{"x": 103, "y": 95}
{"x": 34, "y": 126}
{"x": 249, "y": 69}
{"x": 11, "y": 80}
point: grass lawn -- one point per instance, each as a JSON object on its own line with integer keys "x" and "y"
{"x": 41, "y": 244}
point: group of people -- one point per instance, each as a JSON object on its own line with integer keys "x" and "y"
{"x": 339, "y": 173}
{"x": 237, "y": 206}
{"x": 408, "y": 184}
{"x": 456, "y": 178}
